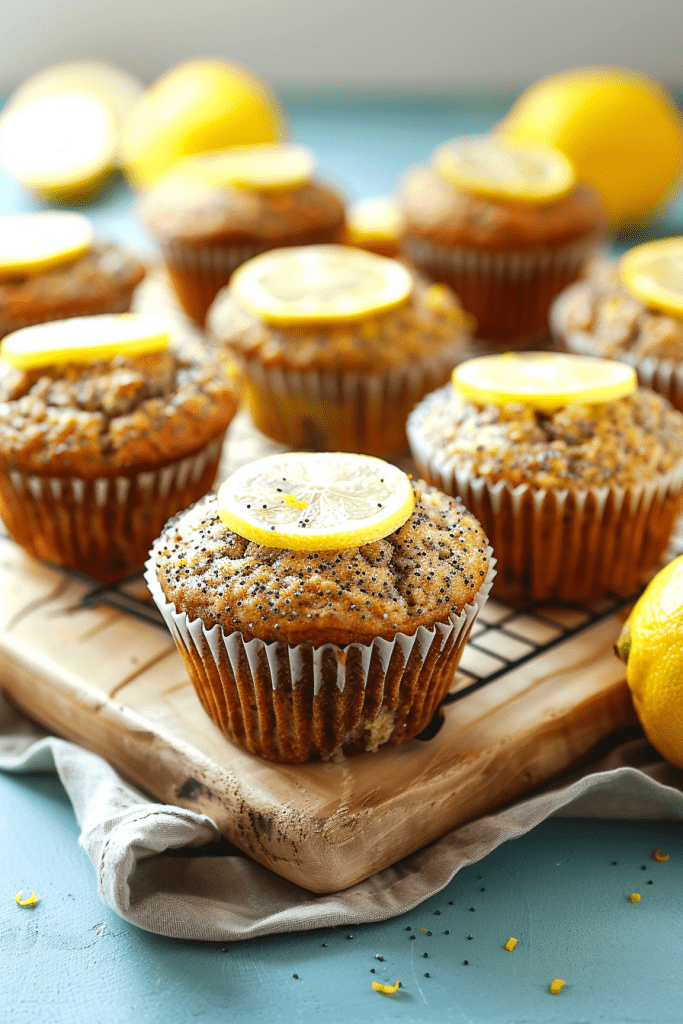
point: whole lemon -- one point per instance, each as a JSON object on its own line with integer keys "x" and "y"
{"x": 651, "y": 644}
{"x": 622, "y": 132}
{"x": 195, "y": 107}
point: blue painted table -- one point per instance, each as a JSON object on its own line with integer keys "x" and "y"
{"x": 562, "y": 890}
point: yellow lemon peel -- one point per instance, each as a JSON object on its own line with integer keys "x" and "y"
{"x": 543, "y": 380}
{"x": 386, "y": 989}
{"x": 320, "y": 284}
{"x": 659, "y": 856}
{"x": 492, "y": 166}
{"x": 268, "y": 167}
{"x": 371, "y": 219}
{"x": 653, "y": 272}
{"x": 316, "y": 501}
{"x": 510, "y": 944}
{"x": 556, "y": 985}
{"x": 30, "y": 901}
{"x": 635, "y": 897}
{"x": 33, "y": 243}
{"x": 85, "y": 339}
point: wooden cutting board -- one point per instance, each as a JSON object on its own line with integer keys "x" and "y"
{"x": 116, "y": 684}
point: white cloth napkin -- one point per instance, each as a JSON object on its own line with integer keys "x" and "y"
{"x": 226, "y": 896}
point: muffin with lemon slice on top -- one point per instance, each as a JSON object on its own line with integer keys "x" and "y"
{"x": 321, "y": 602}
{"x": 106, "y": 430}
{"x": 52, "y": 267}
{"x": 631, "y": 310}
{"x": 335, "y": 345}
{"x": 506, "y": 225}
{"x": 575, "y": 473}
{"x": 213, "y": 211}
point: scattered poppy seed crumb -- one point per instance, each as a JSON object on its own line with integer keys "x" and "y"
{"x": 465, "y": 962}
{"x": 650, "y": 882}
{"x": 635, "y": 897}
{"x": 295, "y": 975}
{"x": 482, "y": 889}
{"x": 372, "y": 970}
{"x": 411, "y": 936}
{"x": 426, "y": 974}
{"x": 556, "y": 985}
{"x": 643, "y": 867}
{"x": 324, "y": 945}
{"x": 614, "y": 863}
{"x": 408, "y": 928}
{"x": 425, "y": 955}
{"x": 437, "y": 913}
{"x": 451, "y": 902}
{"x": 378, "y": 957}
{"x": 447, "y": 932}
{"x": 470, "y": 936}
{"x": 473, "y": 909}
{"x": 349, "y": 936}
{"x": 429, "y": 933}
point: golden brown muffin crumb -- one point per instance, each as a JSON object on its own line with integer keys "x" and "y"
{"x": 432, "y": 566}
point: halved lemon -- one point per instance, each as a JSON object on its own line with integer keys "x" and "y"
{"x": 489, "y": 165}
{"x": 62, "y": 146}
{"x": 543, "y": 380}
{"x": 265, "y": 168}
{"x": 85, "y": 339}
{"x": 322, "y": 501}
{"x": 320, "y": 284}
{"x": 653, "y": 272}
{"x": 34, "y": 242}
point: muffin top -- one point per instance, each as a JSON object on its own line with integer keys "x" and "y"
{"x": 188, "y": 210}
{"x": 435, "y": 209}
{"x": 617, "y": 322}
{"x": 110, "y": 415}
{"x": 99, "y": 276}
{"x": 430, "y": 322}
{"x": 431, "y": 566}
{"x": 578, "y": 446}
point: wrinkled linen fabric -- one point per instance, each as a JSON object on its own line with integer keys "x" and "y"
{"x": 231, "y": 897}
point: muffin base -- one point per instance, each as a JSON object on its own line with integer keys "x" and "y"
{"x": 509, "y": 293}
{"x": 102, "y": 527}
{"x": 565, "y": 545}
{"x": 293, "y": 703}
{"x": 341, "y": 411}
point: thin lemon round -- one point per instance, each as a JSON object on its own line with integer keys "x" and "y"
{"x": 489, "y": 165}
{"x": 653, "y": 272}
{"x": 316, "y": 501}
{"x": 320, "y": 284}
{"x": 61, "y": 146}
{"x": 543, "y": 380}
{"x": 35, "y": 242}
{"x": 371, "y": 219}
{"x": 263, "y": 168}
{"x": 85, "y": 339}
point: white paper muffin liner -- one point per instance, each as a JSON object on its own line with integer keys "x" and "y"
{"x": 293, "y": 702}
{"x": 102, "y": 527}
{"x": 662, "y": 375}
{"x": 567, "y": 545}
{"x": 509, "y": 293}
{"x": 325, "y": 410}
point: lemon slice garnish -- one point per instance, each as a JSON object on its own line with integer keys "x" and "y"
{"x": 371, "y": 219}
{"x": 316, "y": 501}
{"x": 543, "y": 380}
{"x": 34, "y": 242}
{"x": 61, "y": 146}
{"x": 320, "y": 284}
{"x": 653, "y": 272}
{"x": 262, "y": 168}
{"x": 84, "y": 339}
{"x": 489, "y": 165}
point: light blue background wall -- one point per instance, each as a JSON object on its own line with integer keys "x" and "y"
{"x": 441, "y": 44}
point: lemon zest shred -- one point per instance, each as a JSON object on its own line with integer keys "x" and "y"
{"x": 635, "y": 897}
{"x": 386, "y": 989}
{"x": 293, "y": 502}
{"x": 556, "y": 985}
{"x": 423, "y": 929}
{"x": 30, "y": 901}
{"x": 659, "y": 856}
{"x": 510, "y": 944}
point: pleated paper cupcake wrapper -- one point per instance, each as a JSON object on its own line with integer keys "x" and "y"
{"x": 102, "y": 527}
{"x": 662, "y": 375}
{"x": 564, "y": 545}
{"x": 509, "y": 293}
{"x": 199, "y": 272}
{"x": 325, "y": 410}
{"x": 295, "y": 702}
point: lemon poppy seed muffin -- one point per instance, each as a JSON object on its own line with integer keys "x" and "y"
{"x": 52, "y": 267}
{"x": 299, "y": 653}
{"x": 325, "y": 380}
{"x": 478, "y": 219}
{"x": 213, "y": 212}
{"x": 579, "y": 500}
{"x": 600, "y": 315}
{"x": 97, "y": 453}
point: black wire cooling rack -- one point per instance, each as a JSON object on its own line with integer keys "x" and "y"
{"x": 503, "y": 637}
